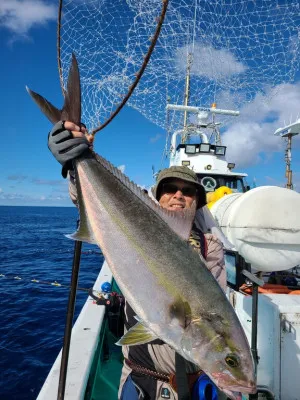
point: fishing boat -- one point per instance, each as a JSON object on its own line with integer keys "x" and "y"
{"x": 269, "y": 315}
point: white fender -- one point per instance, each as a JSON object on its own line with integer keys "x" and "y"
{"x": 263, "y": 225}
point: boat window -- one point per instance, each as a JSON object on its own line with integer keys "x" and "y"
{"x": 210, "y": 184}
{"x": 213, "y": 182}
{"x": 236, "y": 185}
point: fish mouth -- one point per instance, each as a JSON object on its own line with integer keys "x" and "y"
{"x": 226, "y": 386}
{"x": 236, "y": 393}
{"x": 233, "y": 395}
{"x": 239, "y": 389}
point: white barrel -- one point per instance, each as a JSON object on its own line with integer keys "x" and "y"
{"x": 263, "y": 225}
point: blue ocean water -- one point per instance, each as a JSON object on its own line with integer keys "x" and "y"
{"x": 32, "y": 315}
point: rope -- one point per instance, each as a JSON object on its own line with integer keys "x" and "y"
{"x": 33, "y": 280}
{"x": 65, "y": 251}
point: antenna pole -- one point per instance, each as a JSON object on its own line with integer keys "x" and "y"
{"x": 186, "y": 96}
{"x": 288, "y": 159}
{"x": 216, "y": 130}
{"x": 287, "y": 132}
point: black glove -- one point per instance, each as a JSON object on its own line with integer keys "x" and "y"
{"x": 65, "y": 147}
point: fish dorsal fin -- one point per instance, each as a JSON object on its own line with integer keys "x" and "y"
{"x": 179, "y": 221}
{"x": 84, "y": 232}
{"x": 138, "y": 334}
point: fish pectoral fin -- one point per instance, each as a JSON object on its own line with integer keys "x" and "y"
{"x": 138, "y": 334}
{"x": 181, "y": 310}
{"x": 81, "y": 238}
{"x": 85, "y": 231}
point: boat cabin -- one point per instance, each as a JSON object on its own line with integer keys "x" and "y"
{"x": 210, "y": 164}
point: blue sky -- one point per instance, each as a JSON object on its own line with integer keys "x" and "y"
{"x": 29, "y": 173}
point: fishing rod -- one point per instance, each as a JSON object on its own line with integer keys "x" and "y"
{"x": 69, "y": 321}
{"x": 33, "y": 280}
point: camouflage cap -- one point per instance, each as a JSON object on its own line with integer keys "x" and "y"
{"x": 183, "y": 173}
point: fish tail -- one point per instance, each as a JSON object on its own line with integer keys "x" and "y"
{"x": 72, "y": 105}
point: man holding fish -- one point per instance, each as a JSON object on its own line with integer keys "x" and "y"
{"x": 177, "y": 301}
{"x": 149, "y": 364}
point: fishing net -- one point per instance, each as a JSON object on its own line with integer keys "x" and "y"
{"x": 112, "y": 42}
{"x": 236, "y": 50}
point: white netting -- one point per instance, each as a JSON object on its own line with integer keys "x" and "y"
{"x": 238, "y": 48}
{"x": 110, "y": 40}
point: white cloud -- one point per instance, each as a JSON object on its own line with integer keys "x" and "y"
{"x": 11, "y": 196}
{"x": 155, "y": 138}
{"x": 283, "y": 181}
{"x": 50, "y": 182}
{"x": 296, "y": 181}
{"x": 15, "y": 198}
{"x": 210, "y": 63}
{"x": 19, "y": 16}
{"x": 253, "y": 133}
{"x": 122, "y": 168}
{"x": 17, "y": 177}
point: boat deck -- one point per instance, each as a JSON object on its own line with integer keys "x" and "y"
{"x": 105, "y": 375}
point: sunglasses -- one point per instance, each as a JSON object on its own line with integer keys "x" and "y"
{"x": 171, "y": 188}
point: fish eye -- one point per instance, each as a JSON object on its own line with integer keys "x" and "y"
{"x": 232, "y": 360}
